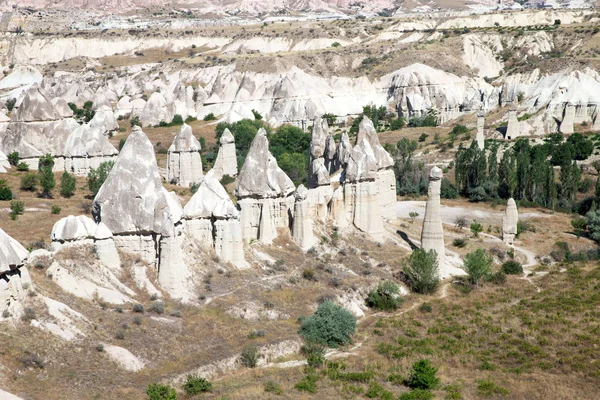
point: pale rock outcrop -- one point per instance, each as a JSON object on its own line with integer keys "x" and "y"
{"x": 226, "y": 162}
{"x": 4, "y": 164}
{"x": 318, "y": 174}
{"x": 13, "y": 278}
{"x": 87, "y": 147}
{"x": 157, "y": 109}
{"x": 513, "y": 130}
{"x": 134, "y": 206}
{"x": 338, "y": 209}
{"x": 264, "y": 193}
{"x": 302, "y": 228}
{"x": 330, "y": 155}
{"x": 480, "y": 137}
{"x": 432, "y": 235}
{"x": 128, "y": 107}
{"x": 566, "y": 125}
{"x": 184, "y": 164}
{"x": 62, "y": 107}
{"x": 36, "y": 128}
{"x": 72, "y": 229}
{"x": 211, "y": 219}
{"x": 104, "y": 120}
{"x": 509, "y": 222}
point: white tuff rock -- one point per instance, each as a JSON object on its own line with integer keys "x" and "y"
{"x": 432, "y": 235}
{"x": 509, "y": 222}
{"x": 184, "y": 165}
{"x": 226, "y": 162}
{"x": 302, "y": 229}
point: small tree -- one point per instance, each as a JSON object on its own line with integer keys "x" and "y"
{"x": 156, "y": 391}
{"x": 257, "y": 115}
{"x": 16, "y": 208}
{"x": 29, "y": 182}
{"x": 477, "y": 265}
{"x": 421, "y": 271}
{"x": 593, "y": 224}
{"x": 96, "y": 177}
{"x": 46, "y": 176}
{"x": 331, "y": 325}
{"x": 476, "y": 228}
{"x": 195, "y": 385}
{"x": 249, "y": 356}
{"x": 386, "y": 297}
{"x": 67, "y": 185}
{"x": 5, "y": 192}
{"x": 135, "y": 121}
{"x": 422, "y": 376}
{"x": 460, "y": 223}
{"x": 413, "y": 215}
{"x": 512, "y": 268}
{"x": 13, "y": 158}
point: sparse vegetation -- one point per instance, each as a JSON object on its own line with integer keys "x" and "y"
{"x": 421, "y": 271}
{"x": 195, "y": 385}
{"x": 97, "y": 176}
{"x": 386, "y": 297}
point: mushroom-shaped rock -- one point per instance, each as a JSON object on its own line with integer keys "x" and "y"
{"x": 260, "y": 176}
{"x": 302, "y": 229}
{"x": 226, "y": 162}
{"x": 131, "y": 200}
{"x": 12, "y": 253}
{"x": 71, "y": 228}
{"x": 432, "y": 235}
{"x": 509, "y": 222}
{"x": 184, "y": 165}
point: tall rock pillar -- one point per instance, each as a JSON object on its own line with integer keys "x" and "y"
{"x": 480, "y": 138}
{"x": 509, "y": 222}
{"x": 432, "y": 235}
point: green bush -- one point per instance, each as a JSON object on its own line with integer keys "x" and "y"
{"x": 422, "y": 376}
{"x": 23, "y": 167}
{"x": 121, "y": 143}
{"x": 56, "y": 210}
{"x": 177, "y": 120}
{"x": 460, "y": 243}
{"x": 331, "y": 325}
{"x": 46, "y": 176}
{"x": 135, "y": 121}
{"x": 210, "y": 117}
{"x": 10, "y": 103}
{"x": 488, "y": 388}
{"x": 5, "y": 191}
{"x": 97, "y": 176}
{"x": 377, "y": 391}
{"x": 308, "y": 383}
{"x": 417, "y": 394}
{"x": 257, "y": 115}
{"x": 477, "y": 265}
{"x": 476, "y": 229}
{"x": 497, "y": 278}
{"x": 13, "y": 158}
{"x": 423, "y": 137}
{"x": 249, "y": 356}
{"x": 448, "y": 190}
{"x": 156, "y": 391}
{"x": 67, "y": 185}
{"x": 421, "y": 271}
{"x": 16, "y": 208}
{"x": 386, "y": 297}
{"x": 29, "y": 182}
{"x": 512, "y": 268}
{"x": 195, "y": 385}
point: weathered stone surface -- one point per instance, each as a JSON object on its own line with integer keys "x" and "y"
{"x": 132, "y": 200}
{"x": 226, "y": 162}
{"x": 362, "y": 165}
{"x": 12, "y": 253}
{"x": 367, "y": 132}
{"x": 432, "y": 235}
{"x": 509, "y": 222}
{"x": 512, "y": 129}
{"x": 62, "y": 107}
{"x": 35, "y": 106}
{"x": 173, "y": 272}
{"x": 277, "y": 214}
{"x": 14, "y": 278}
{"x": 363, "y": 208}
{"x": 71, "y": 229}
{"x": 343, "y": 151}
{"x": 318, "y": 173}
{"x": 330, "y": 155}
{"x": 156, "y": 110}
{"x": 386, "y": 182}
{"x": 302, "y": 228}
{"x": 4, "y": 164}
{"x": 338, "y": 209}
{"x": 480, "y": 138}
{"x": 229, "y": 245}
{"x": 210, "y": 201}
{"x": 184, "y": 164}
{"x": 260, "y": 176}
{"x": 319, "y": 199}
{"x": 566, "y": 125}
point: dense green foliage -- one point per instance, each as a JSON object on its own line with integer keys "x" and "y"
{"x": 156, "y": 391}
{"x": 417, "y": 394}
{"x": 97, "y": 176}
{"x": 16, "y": 208}
{"x": 331, "y": 325}
{"x": 249, "y": 356}
{"x": 46, "y": 176}
{"x": 386, "y": 297}
{"x": 67, "y": 185}
{"x": 195, "y": 385}
{"x": 477, "y": 265}
{"x": 512, "y": 268}
{"x": 429, "y": 119}
{"x": 85, "y": 114}
{"x": 410, "y": 175}
{"x": 421, "y": 271}
{"x": 29, "y": 182}
{"x": 5, "y": 191}
{"x": 422, "y": 376}
{"x": 13, "y": 158}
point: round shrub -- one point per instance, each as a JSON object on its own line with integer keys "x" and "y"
{"x": 156, "y": 391}
{"x": 5, "y": 193}
{"x": 195, "y": 385}
{"x": 512, "y": 268}
{"x": 331, "y": 325}
{"x": 386, "y": 297}
{"x": 422, "y": 376}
